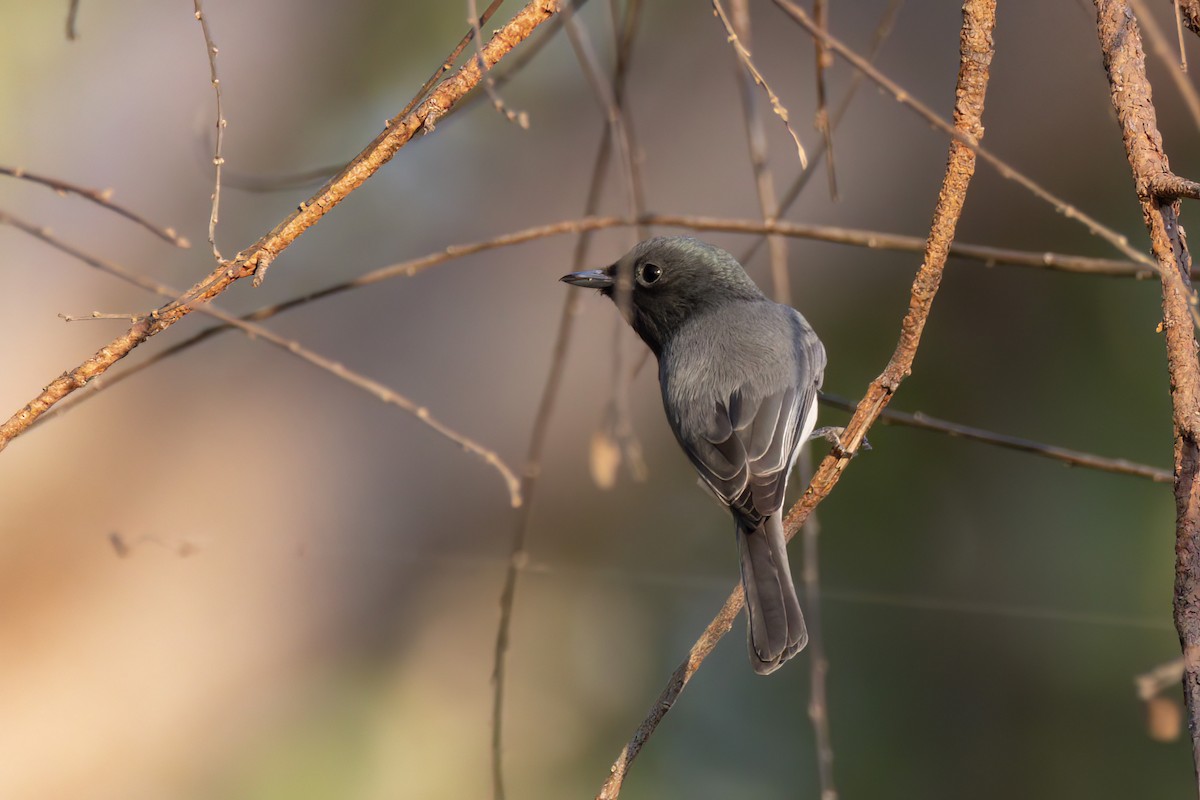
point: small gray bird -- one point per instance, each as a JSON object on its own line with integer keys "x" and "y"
{"x": 739, "y": 376}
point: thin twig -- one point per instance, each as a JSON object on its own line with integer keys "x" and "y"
{"x": 291, "y": 180}
{"x": 1125, "y": 63}
{"x": 291, "y": 346}
{"x": 100, "y": 198}
{"x": 975, "y": 58}
{"x": 882, "y": 31}
{"x": 756, "y": 138}
{"x": 1073, "y": 458}
{"x": 818, "y": 700}
{"x": 472, "y": 34}
{"x": 519, "y": 118}
{"x": 379, "y": 152}
{"x": 1117, "y": 240}
{"x": 518, "y": 555}
{"x": 1162, "y": 49}
{"x": 744, "y": 55}
{"x": 218, "y": 161}
{"x": 824, "y": 61}
{"x": 616, "y": 425}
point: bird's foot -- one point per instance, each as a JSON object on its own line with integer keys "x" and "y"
{"x": 833, "y": 435}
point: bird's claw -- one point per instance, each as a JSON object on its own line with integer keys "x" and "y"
{"x": 833, "y": 435}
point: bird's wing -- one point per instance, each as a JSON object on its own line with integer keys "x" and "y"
{"x": 747, "y": 449}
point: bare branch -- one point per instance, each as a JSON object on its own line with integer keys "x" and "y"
{"x": 277, "y": 182}
{"x": 975, "y": 59}
{"x": 1074, "y": 458}
{"x": 100, "y": 198}
{"x": 756, "y": 137}
{"x": 882, "y": 31}
{"x": 218, "y": 160}
{"x": 518, "y": 556}
{"x": 1117, "y": 240}
{"x": 616, "y": 425}
{"x": 519, "y": 118}
{"x": 379, "y": 152}
{"x": 1125, "y": 63}
{"x": 291, "y": 346}
{"x": 744, "y": 55}
{"x": 824, "y": 61}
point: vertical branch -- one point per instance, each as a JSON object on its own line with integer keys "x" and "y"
{"x": 615, "y": 436}
{"x": 756, "y": 138}
{"x": 975, "y": 58}
{"x": 210, "y": 48}
{"x": 824, "y": 62}
{"x": 1125, "y": 64}
{"x": 537, "y": 439}
{"x": 818, "y": 703}
{"x": 882, "y": 31}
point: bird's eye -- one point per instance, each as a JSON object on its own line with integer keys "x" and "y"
{"x": 650, "y": 274}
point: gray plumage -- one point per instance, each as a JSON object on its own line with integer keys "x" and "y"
{"x": 739, "y": 377}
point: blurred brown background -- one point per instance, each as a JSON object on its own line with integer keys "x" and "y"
{"x": 327, "y": 631}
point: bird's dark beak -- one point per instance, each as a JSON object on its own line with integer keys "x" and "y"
{"x": 591, "y": 279}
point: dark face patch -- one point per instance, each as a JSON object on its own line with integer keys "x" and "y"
{"x": 673, "y": 278}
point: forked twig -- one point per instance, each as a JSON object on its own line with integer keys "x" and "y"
{"x": 519, "y": 118}
{"x": 1162, "y": 48}
{"x": 744, "y": 55}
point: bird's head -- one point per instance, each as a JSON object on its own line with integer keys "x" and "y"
{"x": 669, "y": 279}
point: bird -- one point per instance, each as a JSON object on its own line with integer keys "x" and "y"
{"x": 739, "y": 375}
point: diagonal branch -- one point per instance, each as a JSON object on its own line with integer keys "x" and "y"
{"x": 976, "y": 51}
{"x": 1125, "y": 63}
{"x": 290, "y": 346}
{"x": 268, "y": 248}
{"x": 1072, "y": 458}
{"x": 756, "y": 138}
{"x": 100, "y": 198}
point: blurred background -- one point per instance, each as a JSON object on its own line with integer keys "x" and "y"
{"x": 306, "y": 599}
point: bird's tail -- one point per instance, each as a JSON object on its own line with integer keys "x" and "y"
{"x": 776, "y": 629}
